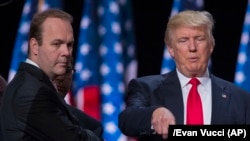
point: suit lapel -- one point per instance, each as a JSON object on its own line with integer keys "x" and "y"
{"x": 220, "y": 102}
{"x": 170, "y": 96}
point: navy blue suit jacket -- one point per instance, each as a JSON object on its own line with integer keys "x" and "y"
{"x": 230, "y": 104}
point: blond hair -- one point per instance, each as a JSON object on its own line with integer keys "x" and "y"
{"x": 193, "y": 19}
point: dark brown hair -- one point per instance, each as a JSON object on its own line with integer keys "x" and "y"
{"x": 40, "y": 17}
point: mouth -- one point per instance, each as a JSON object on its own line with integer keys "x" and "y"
{"x": 62, "y": 65}
{"x": 193, "y": 59}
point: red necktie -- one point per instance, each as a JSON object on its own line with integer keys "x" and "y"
{"x": 194, "y": 105}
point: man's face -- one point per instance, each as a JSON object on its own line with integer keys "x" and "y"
{"x": 57, "y": 46}
{"x": 191, "y": 49}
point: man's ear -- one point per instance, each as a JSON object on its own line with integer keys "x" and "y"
{"x": 170, "y": 50}
{"x": 33, "y": 46}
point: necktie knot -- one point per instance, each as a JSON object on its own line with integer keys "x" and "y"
{"x": 194, "y": 81}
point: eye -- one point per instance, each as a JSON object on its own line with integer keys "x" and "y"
{"x": 200, "y": 38}
{"x": 182, "y": 40}
{"x": 70, "y": 45}
{"x": 57, "y": 44}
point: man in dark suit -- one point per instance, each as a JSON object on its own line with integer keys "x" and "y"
{"x": 3, "y": 85}
{"x": 156, "y": 102}
{"x": 32, "y": 109}
{"x": 63, "y": 84}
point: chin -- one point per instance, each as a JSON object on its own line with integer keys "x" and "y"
{"x": 61, "y": 72}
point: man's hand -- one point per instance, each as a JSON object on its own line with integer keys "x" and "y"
{"x": 161, "y": 119}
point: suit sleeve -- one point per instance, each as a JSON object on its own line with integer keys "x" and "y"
{"x": 248, "y": 110}
{"x": 88, "y": 122}
{"x": 135, "y": 120}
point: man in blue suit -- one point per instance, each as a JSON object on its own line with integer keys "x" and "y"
{"x": 158, "y": 101}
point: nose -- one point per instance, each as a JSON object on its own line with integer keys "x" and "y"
{"x": 67, "y": 51}
{"x": 192, "y": 45}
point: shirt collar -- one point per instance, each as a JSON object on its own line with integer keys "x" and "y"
{"x": 31, "y": 62}
{"x": 184, "y": 80}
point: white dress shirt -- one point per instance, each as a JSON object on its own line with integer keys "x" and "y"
{"x": 204, "y": 90}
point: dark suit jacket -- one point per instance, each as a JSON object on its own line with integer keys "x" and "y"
{"x": 88, "y": 122}
{"x": 32, "y": 110}
{"x": 230, "y": 104}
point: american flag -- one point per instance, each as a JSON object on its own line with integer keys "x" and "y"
{"x": 168, "y": 63}
{"x": 128, "y": 40}
{"x": 105, "y": 51}
{"x": 86, "y": 91}
{"x": 21, "y": 44}
{"x": 111, "y": 67}
{"x": 242, "y": 74}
